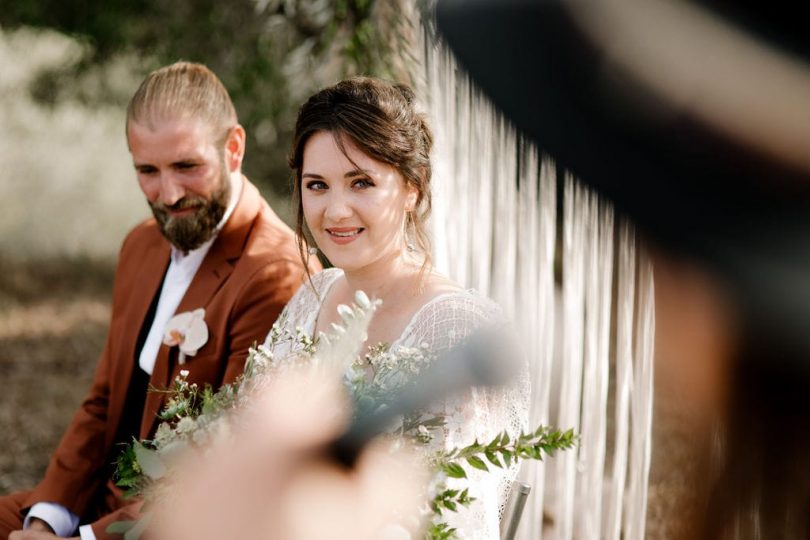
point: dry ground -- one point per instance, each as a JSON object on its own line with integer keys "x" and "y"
{"x": 53, "y": 321}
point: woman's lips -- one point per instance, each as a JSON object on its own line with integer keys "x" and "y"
{"x": 344, "y": 235}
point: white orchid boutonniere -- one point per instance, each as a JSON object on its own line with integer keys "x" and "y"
{"x": 188, "y": 331}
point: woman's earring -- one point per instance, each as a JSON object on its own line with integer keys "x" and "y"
{"x": 312, "y": 250}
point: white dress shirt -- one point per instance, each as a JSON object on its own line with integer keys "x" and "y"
{"x": 182, "y": 269}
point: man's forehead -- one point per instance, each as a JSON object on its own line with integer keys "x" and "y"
{"x": 160, "y": 119}
{"x": 177, "y": 127}
{"x": 169, "y": 139}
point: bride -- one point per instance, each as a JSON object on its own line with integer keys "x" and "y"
{"x": 361, "y": 158}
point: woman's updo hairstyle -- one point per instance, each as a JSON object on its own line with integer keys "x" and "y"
{"x": 381, "y": 119}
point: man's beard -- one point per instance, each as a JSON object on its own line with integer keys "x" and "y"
{"x": 189, "y": 232}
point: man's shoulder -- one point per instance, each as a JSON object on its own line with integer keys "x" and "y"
{"x": 145, "y": 232}
{"x": 273, "y": 238}
{"x": 139, "y": 245}
{"x": 268, "y": 259}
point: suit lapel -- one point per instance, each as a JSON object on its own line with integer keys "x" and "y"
{"x": 143, "y": 282}
{"x": 218, "y": 264}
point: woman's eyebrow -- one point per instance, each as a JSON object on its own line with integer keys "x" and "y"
{"x": 358, "y": 172}
{"x": 311, "y": 175}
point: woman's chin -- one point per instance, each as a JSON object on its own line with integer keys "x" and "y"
{"x": 349, "y": 260}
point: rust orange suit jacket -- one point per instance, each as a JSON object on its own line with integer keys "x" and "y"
{"x": 249, "y": 274}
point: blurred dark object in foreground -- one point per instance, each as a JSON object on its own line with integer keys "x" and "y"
{"x": 694, "y": 119}
{"x": 683, "y": 139}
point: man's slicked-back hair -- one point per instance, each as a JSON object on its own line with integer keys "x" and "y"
{"x": 183, "y": 90}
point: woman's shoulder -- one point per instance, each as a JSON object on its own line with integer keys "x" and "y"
{"x": 449, "y": 314}
{"x": 463, "y": 304}
{"x": 310, "y": 294}
{"x": 316, "y": 285}
{"x": 442, "y": 294}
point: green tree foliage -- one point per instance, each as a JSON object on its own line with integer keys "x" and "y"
{"x": 270, "y": 54}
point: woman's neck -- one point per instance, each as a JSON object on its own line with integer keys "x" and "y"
{"x": 386, "y": 280}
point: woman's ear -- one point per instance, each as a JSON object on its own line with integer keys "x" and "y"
{"x": 412, "y": 198}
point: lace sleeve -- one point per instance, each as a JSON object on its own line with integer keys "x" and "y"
{"x": 479, "y": 414}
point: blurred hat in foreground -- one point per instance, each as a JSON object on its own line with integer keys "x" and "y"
{"x": 693, "y": 118}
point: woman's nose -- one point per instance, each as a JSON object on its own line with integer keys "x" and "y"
{"x": 337, "y": 208}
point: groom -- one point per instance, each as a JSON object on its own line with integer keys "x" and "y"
{"x": 214, "y": 251}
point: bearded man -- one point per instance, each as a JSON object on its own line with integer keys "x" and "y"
{"x": 195, "y": 287}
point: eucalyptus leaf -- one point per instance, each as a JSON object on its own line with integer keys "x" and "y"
{"x": 120, "y": 527}
{"x": 149, "y": 462}
{"x": 140, "y": 526}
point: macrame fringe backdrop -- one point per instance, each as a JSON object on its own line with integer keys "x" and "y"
{"x": 588, "y": 332}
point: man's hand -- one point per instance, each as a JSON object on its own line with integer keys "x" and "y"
{"x": 39, "y": 525}
{"x": 37, "y": 530}
{"x": 36, "y": 534}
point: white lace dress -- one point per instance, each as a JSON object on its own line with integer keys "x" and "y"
{"x": 478, "y": 414}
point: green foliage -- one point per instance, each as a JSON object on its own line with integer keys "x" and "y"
{"x": 270, "y": 54}
{"x": 440, "y": 531}
{"x": 188, "y": 410}
{"x": 128, "y": 473}
{"x": 121, "y": 527}
{"x": 149, "y": 462}
{"x": 450, "y": 499}
{"x": 501, "y": 452}
{"x": 132, "y": 530}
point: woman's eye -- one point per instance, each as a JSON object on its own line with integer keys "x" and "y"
{"x": 315, "y": 185}
{"x": 362, "y": 183}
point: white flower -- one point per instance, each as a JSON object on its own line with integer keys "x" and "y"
{"x": 362, "y": 299}
{"x": 163, "y": 435}
{"x": 345, "y": 312}
{"x": 188, "y": 331}
{"x": 338, "y": 329}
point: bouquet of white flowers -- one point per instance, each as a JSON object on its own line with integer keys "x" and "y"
{"x": 195, "y": 416}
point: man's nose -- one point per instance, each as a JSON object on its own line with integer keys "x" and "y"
{"x": 171, "y": 190}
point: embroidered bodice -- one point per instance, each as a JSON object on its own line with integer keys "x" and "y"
{"x": 480, "y": 413}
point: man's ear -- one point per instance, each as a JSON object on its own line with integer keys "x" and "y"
{"x": 235, "y": 148}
